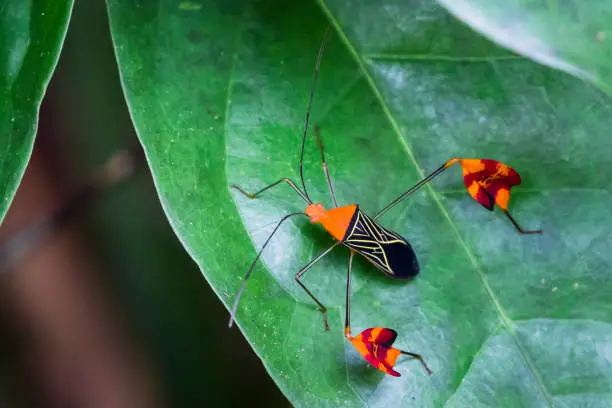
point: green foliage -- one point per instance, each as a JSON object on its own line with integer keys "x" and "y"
{"x": 31, "y": 36}
{"x": 573, "y": 36}
{"x": 218, "y": 95}
{"x": 218, "y": 90}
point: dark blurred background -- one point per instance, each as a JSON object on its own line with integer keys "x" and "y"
{"x": 108, "y": 310}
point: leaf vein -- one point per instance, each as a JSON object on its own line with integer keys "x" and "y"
{"x": 502, "y": 315}
{"x": 473, "y": 359}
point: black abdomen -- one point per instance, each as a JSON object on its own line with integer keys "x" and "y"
{"x": 388, "y": 251}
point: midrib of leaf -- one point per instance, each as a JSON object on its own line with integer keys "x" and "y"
{"x": 506, "y": 321}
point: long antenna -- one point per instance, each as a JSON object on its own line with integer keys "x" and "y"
{"x": 312, "y": 88}
{"x": 233, "y": 314}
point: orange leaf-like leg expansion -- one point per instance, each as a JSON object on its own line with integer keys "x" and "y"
{"x": 376, "y": 346}
{"x": 489, "y": 182}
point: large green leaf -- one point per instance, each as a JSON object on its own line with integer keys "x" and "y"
{"x": 31, "y": 37}
{"x": 570, "y": 35}
{"x": 218, "y": 93}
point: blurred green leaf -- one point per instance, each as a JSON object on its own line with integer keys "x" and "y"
{"x": 218, "y": 92}
{"x": 31, "y": 37}
{"x": 574, "y": 36}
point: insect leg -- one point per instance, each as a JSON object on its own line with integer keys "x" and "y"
{"x": 418, "y": 357}
{"x": 301, "y": 192}
{"x": 248, "y": 274}
{"x": 312, "y": 88}
{"x": 347, "y": 321}
{"x": 302, "y": 271}
{"x": 325, "y": 169}
{"x": 522, "y": 231}
{"x": 360, "y": 339}
{"x": 285, "y": 179}
{"x": 418, "y": 185}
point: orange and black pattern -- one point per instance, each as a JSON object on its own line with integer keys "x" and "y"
{"x": 375, "y": 345}
{"x": 386, "y": 250}
{"x": 489, "y": 181}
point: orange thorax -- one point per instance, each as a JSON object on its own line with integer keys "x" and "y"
{"x": 336, "y": 221}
